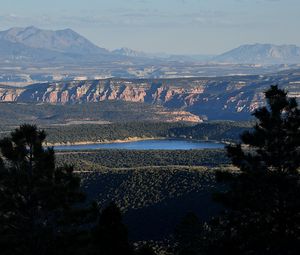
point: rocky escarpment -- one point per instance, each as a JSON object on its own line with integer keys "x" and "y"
{"x": 8, "y": 94}
{"x": 229, "y": 97}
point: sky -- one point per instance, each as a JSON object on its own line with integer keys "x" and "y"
{"x": 170, "y": 26}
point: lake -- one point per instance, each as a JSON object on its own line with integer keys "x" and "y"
{"x": 163, "y": 144}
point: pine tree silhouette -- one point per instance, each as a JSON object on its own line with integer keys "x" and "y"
{"x": 38, "y": 202}
{"x": 110, "y": 235}
{"x": 188, "y": 235}
{"x": 263, "y": 205}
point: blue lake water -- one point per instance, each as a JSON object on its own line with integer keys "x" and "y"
{"x": 165, "y": 144}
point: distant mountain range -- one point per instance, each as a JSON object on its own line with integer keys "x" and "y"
{"x": 261, "y": 54}
{"x": 33, "y": 45}
{"x": 163, "y": 56}
{"x": 65, "y": 41}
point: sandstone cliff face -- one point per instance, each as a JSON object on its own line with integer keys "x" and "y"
{"x": 9, "y": 94}
{"x": 215, "y": 97}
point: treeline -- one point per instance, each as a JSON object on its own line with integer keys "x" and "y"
{"x": 109, "y": 111}
{"x": 218, "y": 130}
{"x": 133, "y": 158}
{"x": 108, "y": 132}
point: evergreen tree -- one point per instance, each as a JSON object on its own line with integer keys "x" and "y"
{"x": 110, "y": 235}
{"x": 263, "y": 205}
{"x": 188, "y": 236}
{"x": 39, "y": 212}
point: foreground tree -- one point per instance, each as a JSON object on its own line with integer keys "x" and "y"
{"x": 188, "y": 235}
{"x": 110, "y": 234}
{"x": 263, "y": 205}
{"x": 38, "y": 202}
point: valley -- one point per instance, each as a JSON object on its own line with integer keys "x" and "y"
{"x": 160, "y": 185}
{"x": 149, "y": 127}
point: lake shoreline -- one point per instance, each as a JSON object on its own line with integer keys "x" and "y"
{"x": 126, "y": 140}
{"x": 145, "y": 144}
{"x": 130, "y": 139}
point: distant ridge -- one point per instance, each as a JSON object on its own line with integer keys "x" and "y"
{"x": 261, "y": 54}
{"x": 129, "y": 52}
{"x": 32, "y": 45}
{"x": 65, "y": 41}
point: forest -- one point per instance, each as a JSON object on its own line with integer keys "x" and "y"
{"x": 108, "y": 132}
{"x": 225, "y": 131}
{"x": 215, "y": 130}
{"x": 14, "y": 113}
{"x": 131, "y": 158}
{"x": 241, "y": 200}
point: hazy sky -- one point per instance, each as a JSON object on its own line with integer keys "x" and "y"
{"x": 173, "y": 26}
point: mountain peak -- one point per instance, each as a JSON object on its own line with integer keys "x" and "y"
{"x": 32, "y": 29}
{"x": 260, "y": 53}
{"x": 129, "y": 52}
{"x": 66, "y": 40}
